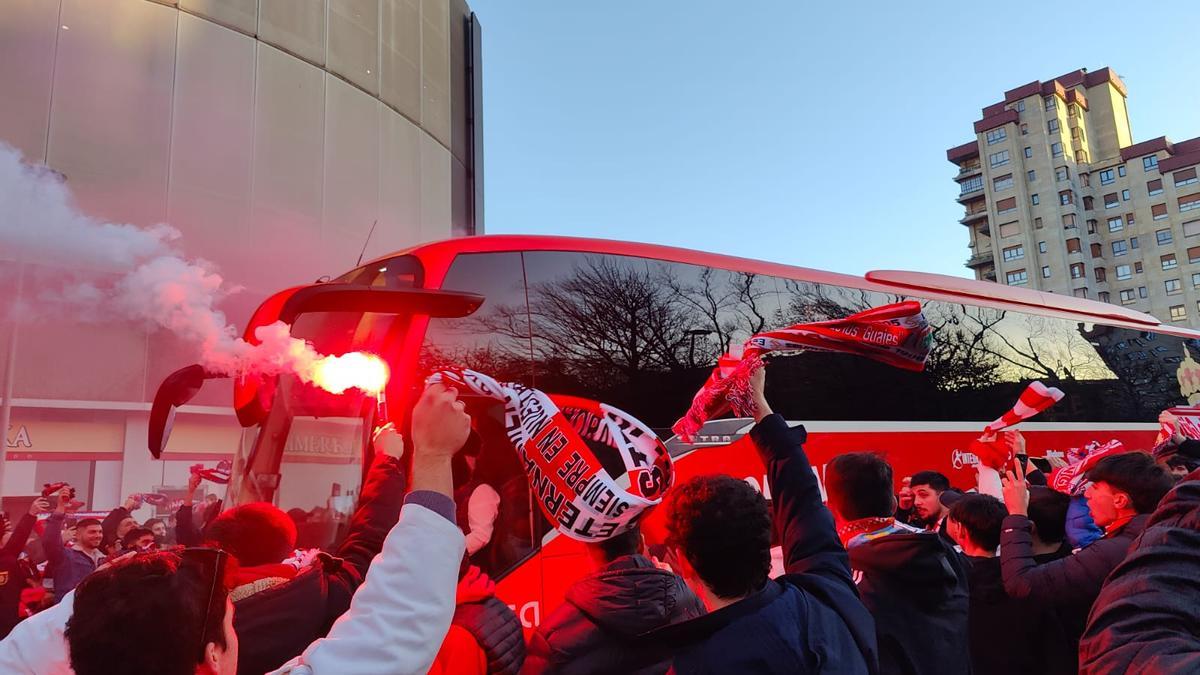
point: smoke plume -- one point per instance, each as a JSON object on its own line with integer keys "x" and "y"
{"x": 132, "y": 273}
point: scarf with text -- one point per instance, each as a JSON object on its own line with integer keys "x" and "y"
{"x": 895, "y": 334}
{"x": 573, "y": 489}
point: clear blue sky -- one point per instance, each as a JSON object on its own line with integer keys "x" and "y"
{"x": 799, "y": 132}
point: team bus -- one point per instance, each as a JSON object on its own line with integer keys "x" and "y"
{"x": 640, "y": 327}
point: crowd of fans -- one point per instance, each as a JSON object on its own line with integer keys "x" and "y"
{"x": 931, "y": 579}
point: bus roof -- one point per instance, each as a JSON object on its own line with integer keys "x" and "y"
{"x": 933, "y": 286}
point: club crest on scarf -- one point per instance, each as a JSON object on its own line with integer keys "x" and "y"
{"x": 573, "y": 489}
{"x": 895, "y": 334}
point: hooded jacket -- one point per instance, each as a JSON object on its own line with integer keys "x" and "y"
{"x": 1144, "y": 619}
{"x": 915, "y": 586}
{"x": 808, "y": 621}
{"x": 1012, "y": 636}
{"x": 595, "y": 630}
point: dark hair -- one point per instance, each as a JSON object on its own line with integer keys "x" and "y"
{"x": 257, "y": 533}
{"x": 1136, "y": 474}
{"x": 1186, "y": 462}
{"x": 859, "y": 485}
{"x": 723, "y": 527}
{"x": 149, "y": 524}
{"x": 1048, "y": 513}
{"x": 982, "y": 516}
{"x": 133, "y": 535}
{"x": 145, "y": 616}
{"x": 88, "y": 522}
{"x": 626, "y": 543}
{"x": 933, "y": 479}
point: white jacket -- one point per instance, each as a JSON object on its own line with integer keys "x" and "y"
{"x": 36, "y": 646}
{"x": 396, "y": 622}
{"x": 400, "y": 615}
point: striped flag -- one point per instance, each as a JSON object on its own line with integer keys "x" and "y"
{"x": 1036, "y": 398}
{"x": 895, "y": 334}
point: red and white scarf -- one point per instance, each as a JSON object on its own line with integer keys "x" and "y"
{"x": 895, "y": 334}
{"x": 1072, "y": 478}
{"x": 571, "y": 486}
{"x": 1036, "y": 398}
{"x": 1188, "y": 425}
{"x": 995, "y": 449}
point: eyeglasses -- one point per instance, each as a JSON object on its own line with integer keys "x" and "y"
{"x": 209, "y": 564}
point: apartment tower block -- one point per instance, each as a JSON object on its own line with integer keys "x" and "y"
{"x": 1059, "y": 198}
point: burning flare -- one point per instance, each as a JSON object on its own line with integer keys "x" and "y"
{"x": 336, "y": 374}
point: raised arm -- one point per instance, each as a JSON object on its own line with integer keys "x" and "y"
{"x": 810, "y": 542}
{"x": 20, "y": 534}
{"x": 52, "y": 541}
{"x": 401, "y": 613}
{"x": 186, "y": 532}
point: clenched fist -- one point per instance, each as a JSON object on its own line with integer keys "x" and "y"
{"x": 440, "y": 423}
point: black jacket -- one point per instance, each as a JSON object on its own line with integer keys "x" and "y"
{"x": 915, "y": 587}
{"x": 498, "y": 632}
{"x": 1069, "y": 585}
{"x": 596, "y": 629}
{"x": 1012, "y": 636}
{"x": 13, "y": 574}
{"x": 811, "y": 619}
{"x": 1144, "y": 619}
{"x": 276, "y": 624}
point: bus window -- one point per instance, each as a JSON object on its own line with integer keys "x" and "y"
{"x": 321, "y": 473}
{"x": 495, "y": 341}
{"x": 638, "y": 334}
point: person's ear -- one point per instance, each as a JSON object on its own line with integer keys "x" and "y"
{"x": 212, "y": 660}
{"x": 1121, "y": 500}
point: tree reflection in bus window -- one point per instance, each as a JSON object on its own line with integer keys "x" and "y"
{"x": 494, "y": 341}
{"x": 643, "y": 335}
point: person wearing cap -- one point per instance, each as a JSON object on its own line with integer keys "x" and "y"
{"x": 913, "y": 581}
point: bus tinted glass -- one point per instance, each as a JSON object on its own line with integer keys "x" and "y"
{"x": 643, "y": 335}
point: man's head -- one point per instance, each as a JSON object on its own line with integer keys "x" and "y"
{"x": 859, "y": 485}
{"x": 127, "y": 523}
{"x": 158, "y": 527}
{"x": 927, "y": 487}
{"x": 1122, "y": 486}
{"x": 1180, "y": 466}
{"x": 155, "y": 613}
{"x": 89, "y": 533}
{"x": 256, "y": 534}
{"x": 974, "y": 524}
{"x": 628, "y": 542}
{"x": 137, "y": 539}
{"x": 720, "y": 528}
{"x": 1048, "y": 513}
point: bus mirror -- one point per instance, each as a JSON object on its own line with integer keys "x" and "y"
{"x": 177, "y": 389}
{"x": 354, "y": 298}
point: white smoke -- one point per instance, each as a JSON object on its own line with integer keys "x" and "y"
{"x": 133, "y": 273}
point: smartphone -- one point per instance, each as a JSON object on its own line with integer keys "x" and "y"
{"x": 1042, "y": 464}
